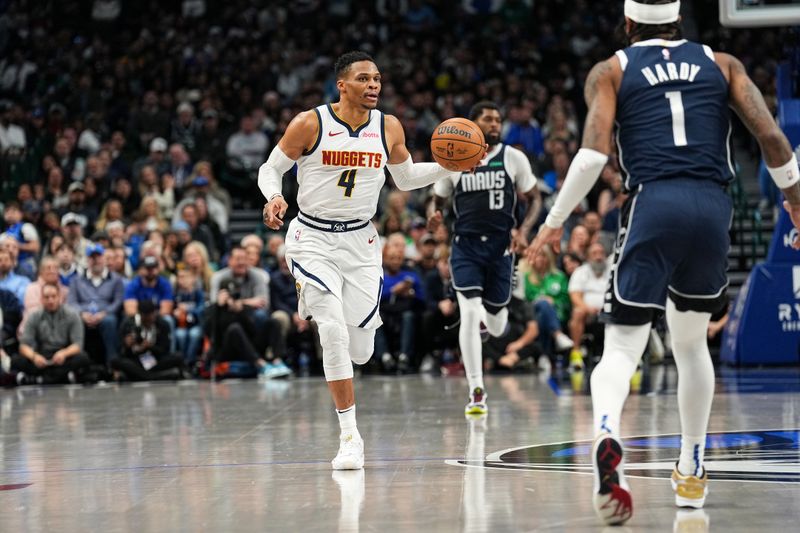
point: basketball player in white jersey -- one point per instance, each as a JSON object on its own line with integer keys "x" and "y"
{"x": 332, "y": 248}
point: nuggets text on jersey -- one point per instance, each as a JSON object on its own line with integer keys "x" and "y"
{"x": 351, "y": 158}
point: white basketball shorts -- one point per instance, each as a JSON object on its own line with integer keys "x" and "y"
{"x": 348, "y": 264}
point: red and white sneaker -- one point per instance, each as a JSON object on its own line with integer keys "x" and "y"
{"x": 612, "y": 496}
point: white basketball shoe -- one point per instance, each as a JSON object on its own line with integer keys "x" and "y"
{"x": 351, "y": 453}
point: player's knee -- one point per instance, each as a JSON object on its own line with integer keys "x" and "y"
{"x": 470, "y": 308}
{"x": 496, "y": 322}
{"x": 334, "y": 340}
{"x": 362, "y": 344}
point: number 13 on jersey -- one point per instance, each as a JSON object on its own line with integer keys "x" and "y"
{"x": 348, "y": 181}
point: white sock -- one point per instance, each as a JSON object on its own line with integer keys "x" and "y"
{"x": 469, "y": 339}
{"x": 611, "y": 378}
{"x": 347, "y": 422}
{"x": 695, "y": 383}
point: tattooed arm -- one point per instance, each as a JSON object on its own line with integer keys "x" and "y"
{"x": 600, "y": 92}
{"x": 748, "y": 103}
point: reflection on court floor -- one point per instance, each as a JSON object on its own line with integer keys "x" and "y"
{"x": 247, "y": 456}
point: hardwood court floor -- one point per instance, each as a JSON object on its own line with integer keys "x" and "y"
{"x": 249, "y": 456}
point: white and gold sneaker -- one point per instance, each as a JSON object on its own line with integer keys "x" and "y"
{"x": 351, "y": 453}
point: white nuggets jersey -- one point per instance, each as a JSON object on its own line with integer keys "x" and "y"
{"x": 341, "y": 176}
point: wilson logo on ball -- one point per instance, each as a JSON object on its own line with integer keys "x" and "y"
{"x": 452, "y": 130}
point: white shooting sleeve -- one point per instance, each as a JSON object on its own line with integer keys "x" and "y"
{"x": 409, "y": 176}
{"x": 581, "y": 177}
{"x": 270, "y": 174}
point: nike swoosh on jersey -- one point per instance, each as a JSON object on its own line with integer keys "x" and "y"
{"x": 331, "y": 134}
{"x": 372, "y": 239}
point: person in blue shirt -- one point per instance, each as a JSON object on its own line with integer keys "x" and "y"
{"x": 10, "y": 281}
{"x": 402, "y": 298}
{"x": 148, "y": 285}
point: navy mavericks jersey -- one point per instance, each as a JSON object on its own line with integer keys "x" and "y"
{"x": 485, "y": 202}
{"x": 673, "y": 119}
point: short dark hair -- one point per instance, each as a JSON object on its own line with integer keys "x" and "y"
{"x": 146, "y": 307}
{"x": 13, "y": 204}
{"x": 342, "y": 65}
{"x": 643, "y": 32}
{"x": 478, "y": 109}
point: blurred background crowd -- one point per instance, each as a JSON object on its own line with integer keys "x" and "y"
{"x": 131, "y": 131}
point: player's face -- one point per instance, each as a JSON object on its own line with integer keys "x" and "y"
{"x": 361, "y": 85}
{"x": 490, "y": 124}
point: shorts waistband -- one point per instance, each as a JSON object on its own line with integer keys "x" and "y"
{"x": 331, "y": 226}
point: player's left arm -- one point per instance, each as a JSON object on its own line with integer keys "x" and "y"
{"x": 525, "y": 182}
{"x": 408, "y": 175}
{"x": 600, "y": 92}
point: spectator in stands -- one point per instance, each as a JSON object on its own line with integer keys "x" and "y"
{"x": 247, "y": 148}
{"x": 148, "y": 285}
{"x": 439, "y": 332}
{"x": 128, "y": 198}
{"x": 152, "y": 215}
{"x": 239, "y": 320}
{"x": 517, "y": 344}
{"x": 51, "y": 346}
{"x": 579, "y": 242}
{"x": 10, "y": 281}
{"x": 112, "y": 211}
{"x": 546, "y": 287}
{"x": 195, "y": 259}
{"x": 199, "y": 232}
{"x": 146, "y": 346}
{"x": 179, "y": 166}
{"x": 76, "y": 203}
{"x": 98, "y": 296}
{"x": 587, "y": 289}
{"x": 27, "y": 269}
{"x": 200, "y": 188}
{"x": 254, "y": 247}
{"x": 185, "y": 128}
{"x": 283, "y": 297}
{"x": 117, "y": 262}
{"x": 402, "y": 299}
{"x": 149, "y": 123}
{"x": 72, "y": 226}
{"x": 24, "y": 233}
{"x": 523, "y": 131}
{"x": 210, "y": 140}
{"x": 48, "y": 273}
{"x": 164, "y": 195}
{"x": 426, "y": 255}
{"x": 156, "y": 158}
{"x": 189, "y": 307}
{"x": 68, "y": 268}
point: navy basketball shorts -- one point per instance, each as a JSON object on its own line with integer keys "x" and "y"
{"x": 673, "y": 242}
{"x": 482, "y": 266}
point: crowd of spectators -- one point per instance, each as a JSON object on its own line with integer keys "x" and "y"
{"x": 130, "y": 130}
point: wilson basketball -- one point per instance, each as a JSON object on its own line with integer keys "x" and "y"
{"x": 457, "y": 144}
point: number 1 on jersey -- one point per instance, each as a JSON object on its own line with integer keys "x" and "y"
{"x": 678, "y": 119}
{"x": 348, "y": 181}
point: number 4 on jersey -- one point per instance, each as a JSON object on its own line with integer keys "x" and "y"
{"x": 348, "y": 181}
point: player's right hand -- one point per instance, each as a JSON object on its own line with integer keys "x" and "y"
{"x": 274, "y": 211}
{"x": 794, "y": 214}
{"x": 546, "y": 235}
{"x": 434, "y": 221}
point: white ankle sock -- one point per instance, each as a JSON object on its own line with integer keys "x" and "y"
{"x": 623, "y": 348}
{"x": 469, "y": 339}
{"x": 347, "y": 421}
{"x": 695, "y": 383}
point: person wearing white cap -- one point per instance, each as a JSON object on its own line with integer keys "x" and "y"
{"x": 72, "y": 225}
{"x": 670, "y": 100}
